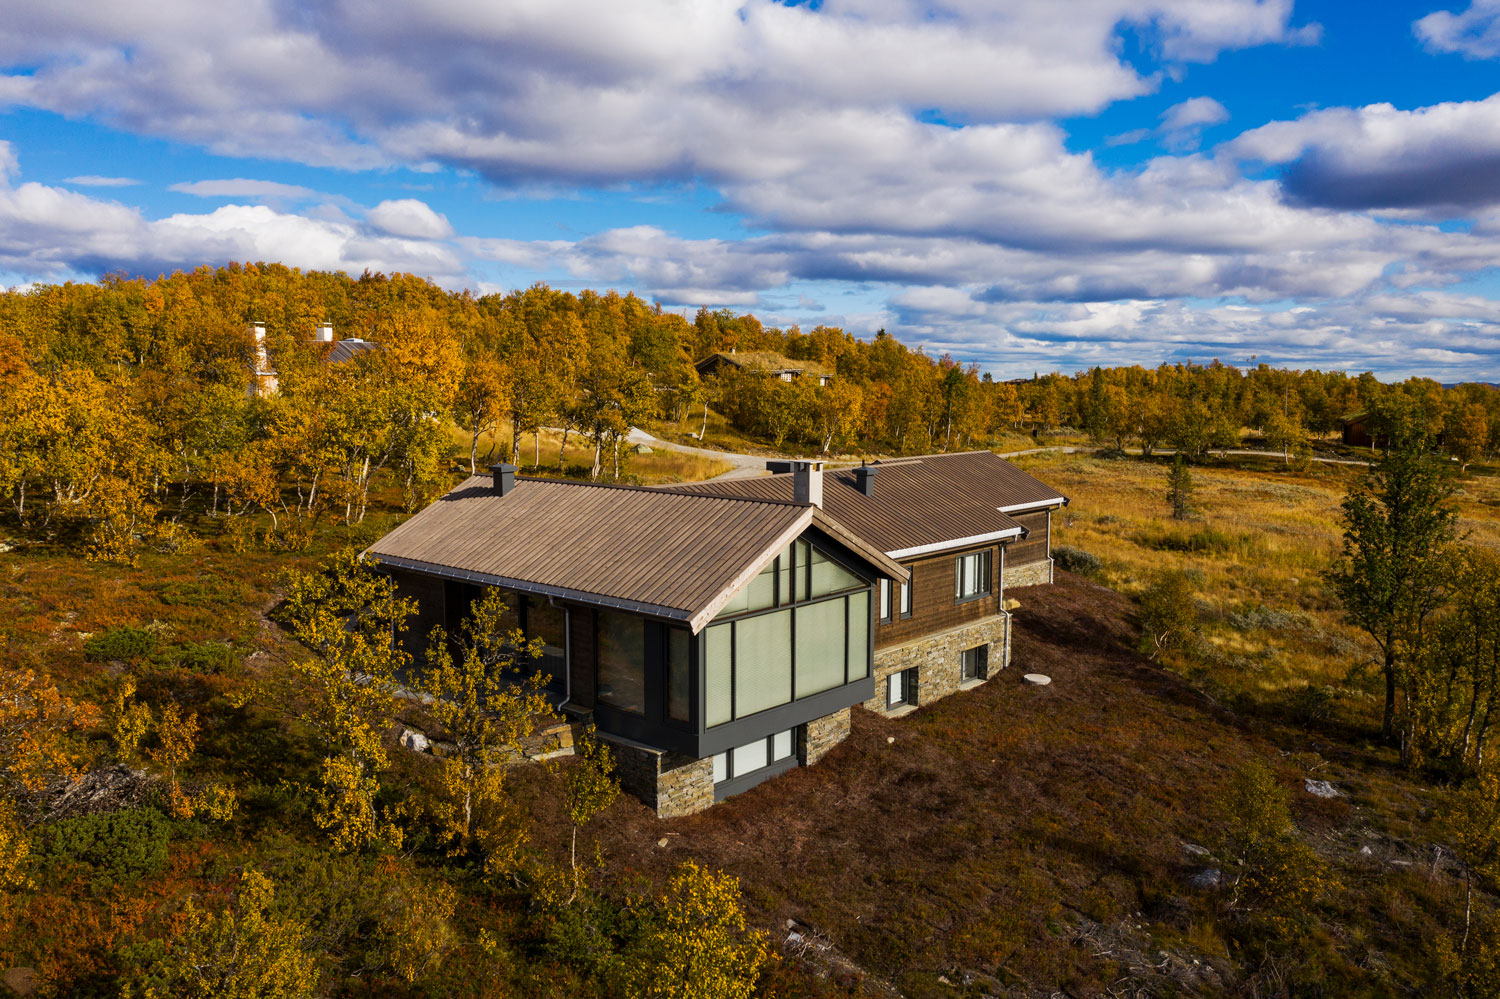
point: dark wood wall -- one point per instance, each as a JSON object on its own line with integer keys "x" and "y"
{"x": 934, "y": 607}
{"x": 427, "y": 591}
{"x": 1034, "y": 548}
{"x": 581, "y": 664}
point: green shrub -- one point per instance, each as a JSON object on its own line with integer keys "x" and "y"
{"x": 1201, "y": 541}
{"x": 189, "y": 593}
{"x": 126, "y": 644}
{"x": 110, "y": 849}
{"x": 1168, "y": 614}
{"x": 1076, "y": 560}
{"x": 200, "y": 657}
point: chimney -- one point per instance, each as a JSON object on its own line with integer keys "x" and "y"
{"x": 505, "y": 478}
{"x": 325, "y": 332}
{"x": 259, "y": 329}
{"x": 807, "y": 482}
{"x": 864, "y": 478}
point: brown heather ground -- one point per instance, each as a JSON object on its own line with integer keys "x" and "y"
{"x": 1027, "y": 841}
{"x": 1013, "y": 840}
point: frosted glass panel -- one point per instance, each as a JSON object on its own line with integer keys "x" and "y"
{"x": 820, "y": 647}
{"x": 859, "y": 635}
{"x": 716, "y": 674}
{"x": 721, "y": 768}
{"x": 897, "y": 688}
{"x": 781, "y": 746}
{"x": 761, "y": 593}
{"x": 750, "y": 757}
{"x": 763, "y": 662}
{"x": 830, "y": 577}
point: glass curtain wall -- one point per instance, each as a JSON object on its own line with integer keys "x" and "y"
{"x": 802, "y": 626}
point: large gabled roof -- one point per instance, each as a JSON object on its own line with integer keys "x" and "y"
{"x": 673, "y": 555}
{"x": 920, "y": 505}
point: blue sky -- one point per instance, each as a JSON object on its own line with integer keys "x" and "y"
{"x": 1131, "y": 181}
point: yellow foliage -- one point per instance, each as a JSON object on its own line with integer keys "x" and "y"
{"x": 39, "y": 729}
{"x": 415, "y": 932}
{"x": 240, "y": 952}
{"x": 15, "y": 851}
{"x": 697, "y": 946}
{"x": 130, "y": 721}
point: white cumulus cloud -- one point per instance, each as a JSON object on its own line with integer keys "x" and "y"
{"x": 409, "y": 217}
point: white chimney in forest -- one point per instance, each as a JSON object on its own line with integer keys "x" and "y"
{"x": 807, "y": 482}
{"x": 325, "y": 332}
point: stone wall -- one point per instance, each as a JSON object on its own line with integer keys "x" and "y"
{"x": 937, "y": 659}
{"x": 822, "y": 734}
{"x": 1030, "y": 574}
{"x": 670, "y": 783}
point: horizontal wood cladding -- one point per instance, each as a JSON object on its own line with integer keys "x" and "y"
{"x": 1034, "y": 548}
{"x": 934, "y": 606}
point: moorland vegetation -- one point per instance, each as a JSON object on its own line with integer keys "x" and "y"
{"x": 202, "y": 791}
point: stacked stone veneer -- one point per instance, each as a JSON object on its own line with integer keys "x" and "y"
{"x": 1030, "y": 574}
{"x": 938, "y": 659}
{"x": 822, "y": 734}
{"x": 671, "y": 783}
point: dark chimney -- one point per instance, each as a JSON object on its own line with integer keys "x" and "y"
{"x": 864, "y": 478}
{"x": 505, "y": 477}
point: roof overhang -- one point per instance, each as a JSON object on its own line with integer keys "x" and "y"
{"x": 536, "y": 589}
{"x": 969, "y": 542}
{"x": 1034, "y": 505}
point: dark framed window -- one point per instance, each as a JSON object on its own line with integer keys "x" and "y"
{"x": 972, "y": 575}
{"x": 622, "y": 661}
{"x": 906, "y": 599}
{"x": 975, "y": 662}
{"x": 757, "y": 755}
{"x": 885, "y": 601}
{"x": 679, "y": 675}
{"x": 805, "y": 630}
{"x": 901, "y": 688}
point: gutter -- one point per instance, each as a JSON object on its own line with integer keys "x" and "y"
{"x": 977, "y": 539}
{"x": 1034, "y": 505}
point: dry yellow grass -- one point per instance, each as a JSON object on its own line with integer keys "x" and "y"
{"x": 658, "y": 467}
{"x": 1256, "y": 550}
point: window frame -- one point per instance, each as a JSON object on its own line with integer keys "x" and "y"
{"x": 908, "y": 688}
{"x": 981, "y": 654}
{"x": 987, "y": 563}
{"x": 774, "y": 765}
{"x": 883, "y": 590}
{"x": 905, "y": 603}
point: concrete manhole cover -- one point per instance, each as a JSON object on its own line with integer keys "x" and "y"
{"x": 1039, "y": 679}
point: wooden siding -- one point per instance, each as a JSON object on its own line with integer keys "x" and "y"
{"x": 427, "y": 591}
{"x": 1034, "y": 548}
{"x": 934, "y": 606}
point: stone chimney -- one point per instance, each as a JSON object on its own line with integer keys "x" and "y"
{"x": 325, "y": 333}
{"x": 807, "y": 482}
{"x": 864, "y": 478}
{"x": 505, "y": 478}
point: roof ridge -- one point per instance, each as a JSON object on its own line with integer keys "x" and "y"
{"x": 668, "y": 488}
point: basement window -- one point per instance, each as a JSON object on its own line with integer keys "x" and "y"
{"x": 975, "y": 663}
{"x": 901, "y": 688}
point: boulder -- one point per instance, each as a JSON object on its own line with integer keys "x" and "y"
{"x": 1207, "y": 878}
{"x": 415, "y": 741}
{"x": 642, "y": 449}
{"x": 1321, "y": 788}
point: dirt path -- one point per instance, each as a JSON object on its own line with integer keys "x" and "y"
{"x": 745, "y": 465}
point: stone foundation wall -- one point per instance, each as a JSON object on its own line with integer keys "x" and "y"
{"x": 670, "y": 783}
{"x": 1030, "y": 574}
{"x": 822, "y": 734}
{"x": 937, "y": 659}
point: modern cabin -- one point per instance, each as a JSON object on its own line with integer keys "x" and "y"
{"x": 720, "y": 633}
{"x": 764, "y": 362}
{"x": 967, "y": 528}
{"x": 716, "y": 641}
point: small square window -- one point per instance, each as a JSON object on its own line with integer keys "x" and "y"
{"x": 976, "y": 663}
{"x": 901, "y": 688}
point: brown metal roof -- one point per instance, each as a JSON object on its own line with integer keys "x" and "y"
{"x": 923, "y": 504}
{"x": 673, "y": 555}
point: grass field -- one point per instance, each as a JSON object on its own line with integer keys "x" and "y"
{"x": 539, "y": 456}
